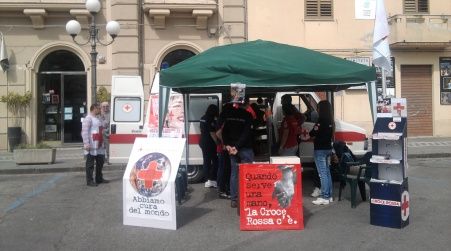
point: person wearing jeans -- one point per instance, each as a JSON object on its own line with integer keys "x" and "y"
{"x": 244, "y": 155}
{"x": 324, "y": 173}
{"x": 322, "y": 133}
{"x": 236, "y": 124}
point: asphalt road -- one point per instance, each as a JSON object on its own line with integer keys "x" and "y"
{"x": 59, "y": 212}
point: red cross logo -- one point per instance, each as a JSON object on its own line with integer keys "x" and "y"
{"x": 98, "y": 136}
{"x": 150, "y": 174}
{"x": 399, "y": 108}
{"x": 392, "y": 125}
{"x": 170, "y": 115}
{"x": 127, "y": 108}
{"x": 405, "y": 205}
{"x": 305, "y": 134}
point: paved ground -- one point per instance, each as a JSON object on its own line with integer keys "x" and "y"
{"x": 57, "y": 211}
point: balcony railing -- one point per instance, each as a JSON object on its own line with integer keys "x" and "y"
{"x": 420, "y": 31}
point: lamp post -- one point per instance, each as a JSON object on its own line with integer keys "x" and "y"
{"x": 73, "y": 28}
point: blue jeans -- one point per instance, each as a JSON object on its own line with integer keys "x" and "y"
{"x": 245, "y": 155}
{"x": 324, "y": 172}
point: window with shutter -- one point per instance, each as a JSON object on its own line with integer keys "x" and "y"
{"x": 318, "y": 9}
{"x": 416, "y": 6}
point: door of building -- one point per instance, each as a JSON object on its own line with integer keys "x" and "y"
{"x": 416, "y": 87}
{"x": 73, "y": 107}
{"x": 61, "y": 107}
{"x": 61, "y": 98}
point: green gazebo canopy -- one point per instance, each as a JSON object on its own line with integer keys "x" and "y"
{"x": 264, "y": 66}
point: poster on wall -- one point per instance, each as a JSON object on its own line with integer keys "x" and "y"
{"x": 390, "y": 82}
{"x": 365, "y": 9}
{"x": 445, "y": 81}
{"x": 149, "y": 183}
{"x": 270, "y": 197}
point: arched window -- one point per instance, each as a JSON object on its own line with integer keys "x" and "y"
{"x": 61, "y": 60}
{"x": 175, "y": 57}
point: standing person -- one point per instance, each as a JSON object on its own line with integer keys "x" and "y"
{"x": 237, "y": 136}
{"x": 208, "y": 142}
{"x": 322, "y": 133}
{"x": 288, "y": 132}
{"x": 93, "y": 145}
{"x": 223, "y": 177}
{"x": 105, "y": 119}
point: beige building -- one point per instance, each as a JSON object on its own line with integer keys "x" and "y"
{"x": 155, "y": 34}
{"x": 45, "y": 61}
{"x": 420, "y": 44}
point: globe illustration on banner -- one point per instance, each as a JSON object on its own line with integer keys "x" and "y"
{"x": 150, "y": 174}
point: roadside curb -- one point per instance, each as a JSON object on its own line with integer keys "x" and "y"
{"x": 37, "y": 170}
{"x": 429, "y": 155}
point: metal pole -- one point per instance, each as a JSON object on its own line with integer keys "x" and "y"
{"x": 93, "y": 38}
{"x": 384, "y": 84}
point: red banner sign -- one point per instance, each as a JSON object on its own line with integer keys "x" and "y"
{"x": 271, "y": 197}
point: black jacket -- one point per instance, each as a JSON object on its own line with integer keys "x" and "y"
{"x": 237, "y": 128}
{"x": 323, "y": 132}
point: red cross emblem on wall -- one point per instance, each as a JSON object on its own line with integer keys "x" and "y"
{"x": 127, "y": 108}
{"x": 150, "y": 175}
{"x": 398, "y": 107}
{"x": 405, "y": 205}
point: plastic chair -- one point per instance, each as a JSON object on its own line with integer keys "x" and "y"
{"x": 356, "y": 172}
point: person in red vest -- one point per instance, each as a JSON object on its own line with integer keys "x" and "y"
{"x": 93, "y": 145}
{"x": 288, "y": 132}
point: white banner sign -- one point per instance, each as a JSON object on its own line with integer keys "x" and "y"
{"x": 149, "y": 182}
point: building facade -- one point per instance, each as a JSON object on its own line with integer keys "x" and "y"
{"x": 420, "y": 44}
{"x": 156, "y": 34}
{"x": 45, "y": 61}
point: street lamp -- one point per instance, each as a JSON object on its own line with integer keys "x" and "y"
{"x": 73, "y": 28}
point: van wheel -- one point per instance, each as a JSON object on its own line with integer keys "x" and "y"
{"x": 195, "y": 174}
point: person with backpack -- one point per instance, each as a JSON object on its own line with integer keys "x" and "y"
{"x": 322, "y": 133}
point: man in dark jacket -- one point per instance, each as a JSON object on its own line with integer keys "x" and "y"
{"x": 236, "y": 126}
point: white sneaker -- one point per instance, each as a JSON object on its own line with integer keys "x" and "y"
{"x": 321, "y": 201}
{"x": 316, "y": 192}
{"x": 211, "y": 183}
{"x": 331, "y": 199}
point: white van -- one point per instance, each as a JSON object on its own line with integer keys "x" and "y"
{"x": 126, "y": 117}
{"x": 124, "y": 131}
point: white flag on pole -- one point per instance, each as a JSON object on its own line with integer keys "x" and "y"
{"x": 4, "y": 62}
{"x": 381, "y": 50}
